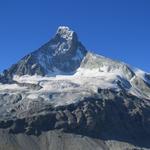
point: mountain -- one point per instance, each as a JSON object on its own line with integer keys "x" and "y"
{"x": 63, "y": 93}
{"x": 63, "y": 52}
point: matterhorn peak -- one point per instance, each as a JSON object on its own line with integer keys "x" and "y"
{"x": 62, "y": 54}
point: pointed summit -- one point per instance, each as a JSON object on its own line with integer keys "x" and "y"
{"x": 66, "y": 33}
{"x": 65, "y": 42}
{"x": 62, "y": 54}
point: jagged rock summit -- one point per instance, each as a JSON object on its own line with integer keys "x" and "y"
{"x": 64, "y": 87}
{"x": 62, "y": 54}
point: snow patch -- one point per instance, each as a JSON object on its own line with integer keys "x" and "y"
{"x": 10, "y": 87}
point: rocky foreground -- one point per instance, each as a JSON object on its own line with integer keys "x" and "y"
{"x": 107, "y": 116}
{"x": 56, "y": 140}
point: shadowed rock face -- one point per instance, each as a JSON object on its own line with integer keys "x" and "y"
{"x": 62, "y": 53}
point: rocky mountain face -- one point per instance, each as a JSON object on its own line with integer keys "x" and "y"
{"x": 63, "y": 52}
{"x": 62, "y": 91}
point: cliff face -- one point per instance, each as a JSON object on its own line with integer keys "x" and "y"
{"x": 64, "y": 53}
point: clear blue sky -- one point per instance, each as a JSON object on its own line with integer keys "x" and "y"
{"x": 119, "y": 29}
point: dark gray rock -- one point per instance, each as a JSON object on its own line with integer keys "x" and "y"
{"x": 72, "y": 121}
{"x": 18, "y": 126}
{"x": 80, "y": 117}
{"x": 6, "y": 123}
{"x": 63, "y": 125}
{"x": 121, "y": 117}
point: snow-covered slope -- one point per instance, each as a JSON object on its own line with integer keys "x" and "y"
{"x": 59, "y": 89}
{"x": 88, "y": 81}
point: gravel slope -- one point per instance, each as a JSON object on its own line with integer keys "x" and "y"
{"x": 56, "y": 140}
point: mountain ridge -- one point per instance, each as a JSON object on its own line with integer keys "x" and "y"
{"x": 62, "y": 86}
{"x": 63, "y": 49}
